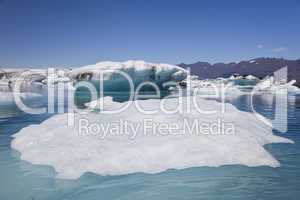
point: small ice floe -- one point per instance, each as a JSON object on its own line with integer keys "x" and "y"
{"x": 270, "y": 85}
{"x": 4, "y": 83}
{"x": 251, "y": 77}
{"x": 7, "y": 98}
{"x": 58, "y": 76}
{"x": 4, "y": 79}
{"x": 265, "y": 83}
{"x": 236, "y": 77}
{"x": 217, "y": 87}
{"x": 10, "y": 76}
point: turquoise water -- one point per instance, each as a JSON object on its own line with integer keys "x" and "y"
{"x": 22, "y": 180}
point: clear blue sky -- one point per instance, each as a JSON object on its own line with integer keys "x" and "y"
{"x": 73, "y": 33}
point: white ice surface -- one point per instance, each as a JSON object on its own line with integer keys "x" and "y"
{"x": 105, "y": 103}
{"x": 72, "y": 153}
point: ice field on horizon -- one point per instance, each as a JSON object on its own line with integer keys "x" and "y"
{"x": 139, "y": 71}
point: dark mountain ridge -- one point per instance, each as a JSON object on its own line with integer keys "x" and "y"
{"x": 259, "y": 67}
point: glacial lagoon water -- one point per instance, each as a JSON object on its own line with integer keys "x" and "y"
{"x": 22, "y": 180}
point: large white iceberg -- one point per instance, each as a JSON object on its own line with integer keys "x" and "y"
{"x": 138, "y": 72}
{"x": 72, "y": 152}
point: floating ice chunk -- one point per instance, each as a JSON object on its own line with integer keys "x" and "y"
{"x": 4, "y": 83}
{"x": 293, "y": 90}
{"x": 109, "y": 152}
{"x": 7, "y": 98}
{"x": 138, "y": 71}
{"x": 215, "y": 87}
{"x": 58, "y": 76}
{"x": 8, "y": 77}
{"x": 269, "y": 85}
{"x": 173, "y": 88}
{"x": 235, "y": 77}
{"x": 251, "y": 77}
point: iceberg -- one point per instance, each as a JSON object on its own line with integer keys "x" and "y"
{"x": 251, "y": 77}
{"x": 7, "y": 98}
{"x": 212, "y": 88}
{"x": 72, "y": 152}
{"x": 265, "y": 83}
{"x": 4, "y": 83}
{"x": 293, "y": 90}
{"x": 270, "y": 85}
{"x": 236, "y": 77}
{"x": 138, "y": 72}
{"x": 58, "y": 76}
{"x": 9, "y": 76}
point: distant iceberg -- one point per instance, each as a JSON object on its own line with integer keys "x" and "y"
{"x": 58, "y": 76}
{"x": 8, "y": 77}
{"x": 138, "y": 71}
{"x": 251, "y": 77}
{"x": 270, "y": 85}
{"x": 7, "y": 98}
